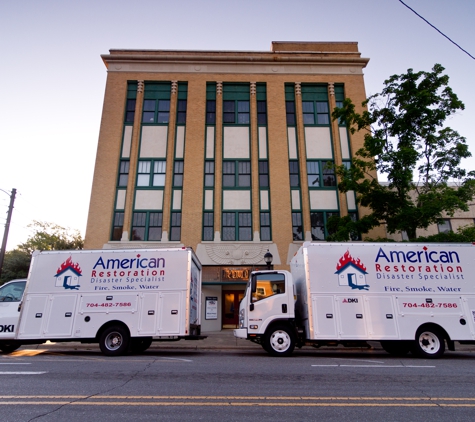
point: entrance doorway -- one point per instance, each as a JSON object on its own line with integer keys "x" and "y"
{"x": 231, "y": 299}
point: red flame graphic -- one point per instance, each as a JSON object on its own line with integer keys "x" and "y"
{"x": 69, "y": 264}
{"x": 346, "y": 259}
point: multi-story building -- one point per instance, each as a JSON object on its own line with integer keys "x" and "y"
{"x": 228, "y": 152}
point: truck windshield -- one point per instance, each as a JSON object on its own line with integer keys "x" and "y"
{"x": 12, "y": 292}
{"x": 268, "y": 285}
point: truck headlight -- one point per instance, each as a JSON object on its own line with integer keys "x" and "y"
{"x": 241, "y": 318}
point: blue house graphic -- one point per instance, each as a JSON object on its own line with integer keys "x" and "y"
{"x": 351, "y": 272}
{"x": 68, "y": 275}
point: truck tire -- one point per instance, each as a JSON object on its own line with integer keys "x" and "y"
{"x": 397, "y": 347}
{"x": 430, "y": 343}
{"x": 9, "y": 347}
{"x": 140, "y": 344}
{"x": 114, "y": 341}
{"x": 279, "y": 341}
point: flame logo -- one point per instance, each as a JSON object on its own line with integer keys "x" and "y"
{"x": 69, "y": 264}
{"x": 347, "y": 259}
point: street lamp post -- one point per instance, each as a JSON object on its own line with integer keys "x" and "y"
{"x": 268, "y": 259}
{"x": 7, "y": 227}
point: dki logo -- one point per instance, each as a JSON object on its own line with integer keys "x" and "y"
{"x": 350, "y": 300}
{"x": 7, "y": 328}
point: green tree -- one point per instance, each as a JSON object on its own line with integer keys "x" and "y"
{"x": 50, "y": 236}
{"x": 405, "y": 140}
{"x": 45, "y": 237}
{"x": 15, "y": 265}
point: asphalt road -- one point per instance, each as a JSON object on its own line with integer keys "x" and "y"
{"x": 234, "y": 385}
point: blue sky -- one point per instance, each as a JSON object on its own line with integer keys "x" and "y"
{"x": 52, "y": 77}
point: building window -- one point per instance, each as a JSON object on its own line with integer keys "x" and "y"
{"x": 240, "y": 178}
{"x": 294, "y": 174}
{"x": 156, "y": 111}
{"x": 118, "y": 226}
{"x": 320, "y": 174}
{"x": 263, "y": 174}
{"x": 210, "y": 112}
{"x": 208, "y": 226}
{"x": 175, "y": 229}
{"x": 181, "y": 112}
{"x": 178, "y": 174}
{"x": 155, "y": 178}
{"x": 209, "y": 174}
{"x": 315, "y": 112}
{"x": 147, "y": 226}
{"x": 241, "y": 231}
{"x": 265, "y": 226}
{"x": 318, "y": 222}
{"x": 236, "y": 111}
{"x": 444, "y": 226}
{"x": 130, "y": 111}
{"x": 290, "y": 112}
{"x": 297, "y": 226}
{"x": 261, "y": 113}
{"x": 124, "y": 173}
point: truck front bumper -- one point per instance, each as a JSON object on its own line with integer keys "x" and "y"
{"x": 240, "y": 333}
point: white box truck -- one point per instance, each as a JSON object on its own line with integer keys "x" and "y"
{"x": 410, "y": 297}
{"x": 121, "y": 299}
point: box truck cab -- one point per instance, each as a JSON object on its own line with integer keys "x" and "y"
{"x": 120, "y": 299}
{"x": 415, "y": 298}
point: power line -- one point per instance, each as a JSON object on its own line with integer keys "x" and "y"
{"x": 440, "y": 32}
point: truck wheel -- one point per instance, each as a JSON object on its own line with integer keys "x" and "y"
{"x": 9, "y": 347}
{"x": 114, "y": 341}
{"x": 279, "y": 341}
{"x": 140, "y": 344}
{"x": 396, "y": 347}
{"x": 429, "y": 344}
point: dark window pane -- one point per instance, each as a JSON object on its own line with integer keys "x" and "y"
{"x": 138, "y": 233}
{"x": 308, "y": 119}
{"x": 178, "y": 180}
{"x": 208, "y": 233}
{"x": 265, "y": 233}
{"x": 261, "y": 107}
{"x": 244, "y": 180}
{"x": 130, "y": 116}
{"x": 245, "y": 233}
{"x": 181, "y": 106}
{"x": 261, "y": 119}
{"x": 228, "y": 180}
{"x": 229, "y": 233}
{"x": 148, "y": 117}
{"x": 139, "y": 219}
{"x": 175, "y": 233}
{"x": 164, "y": 105}
{"x": 322, "y": 119}
{"x": 123, "y": 179}
{"x": 181, "y": 117}
{"x": 228, "y": 117}
{"x": 228, "y": 167}
{"x": 322, "y": 107}
{"x": 209, "y": 180}
{"x": 291, "y": 119}
{"x": 228, "y": 106}
{"x": 210, "y": 118}
{"x": 211, "y": 106}
{"x": 209, "y": 167}
{"x": 243, "y": 106}
{"x": 130, "y": 105}
{"x": 244, "y": 167}
{"x": 155, "y": 233}
{"x": 163, "y": 117}
{"x": 265, "y": 219}
{"x": 117, "y": 233}
{"x": 243, "y": 118}
{"x": 290, "y": 107}
{"x": 149, "y": 105}
{"x": 263, "y": 181}
{"x": 307, "y": 106}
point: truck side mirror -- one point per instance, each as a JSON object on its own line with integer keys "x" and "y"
{"x": 253, "y": 283}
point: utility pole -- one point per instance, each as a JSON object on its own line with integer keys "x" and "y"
{"x": 7, "y": 228}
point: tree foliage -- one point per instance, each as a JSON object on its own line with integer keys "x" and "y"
{"x": 45, "y": 237}
{"x": 405, "y": 140}
{"x": 49, "y": 237}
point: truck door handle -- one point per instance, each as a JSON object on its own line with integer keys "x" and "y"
{"x": 284, "y": 308}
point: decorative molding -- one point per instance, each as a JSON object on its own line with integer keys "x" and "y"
{"x": 331, "y": 89}
{"x": 253, "y": 88}
{"x": 219, "y": 88}
{"x": 298, "y": 88}
{"x": 236, "y": 253}
{"x": 174, "y": 87}
{"x": 139, "y": 86}
{"x": 140, "y": 245}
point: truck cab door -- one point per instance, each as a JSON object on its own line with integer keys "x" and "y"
{"x": 270, "y": 300}
{"x": 10, "y": 298}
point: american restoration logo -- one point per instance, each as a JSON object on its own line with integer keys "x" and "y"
{"x": 68, "y": 274}
{"x": 351, "y": 272}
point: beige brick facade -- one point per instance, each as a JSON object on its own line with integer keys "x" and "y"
{"x": 297, "y": 65}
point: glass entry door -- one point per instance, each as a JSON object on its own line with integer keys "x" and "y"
{"x": 231, "y": 299}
